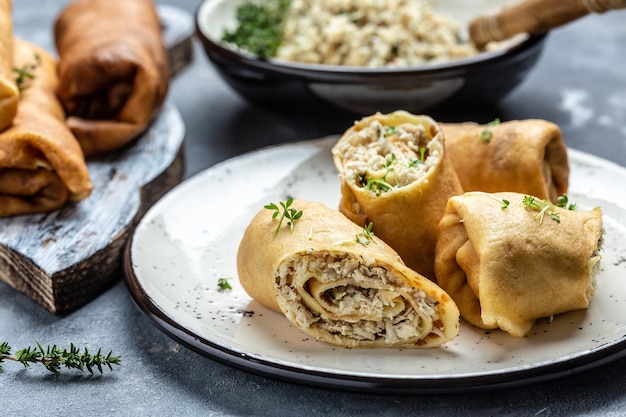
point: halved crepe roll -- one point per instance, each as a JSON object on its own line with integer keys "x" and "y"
{"x": 340, "y": 284}
{"x": 9, "y": 94}
{"x": 525, "y": 156}
{"x": 395, "y": 173}
{"x": 113, "y": 70}
{"x": 41, "y": 163}
{"x": 506, "y": 265}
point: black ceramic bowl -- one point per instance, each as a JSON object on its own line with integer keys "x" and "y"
{"x": 461, "y": 84}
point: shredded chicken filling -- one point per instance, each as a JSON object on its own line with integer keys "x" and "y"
{"x": 379, "y": 158}
{"x": 350, "y": 297}
{"x": 594, "y": 263}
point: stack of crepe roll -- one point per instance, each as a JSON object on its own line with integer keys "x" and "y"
{"x": 450, "y": 200}
{"x": 42, "y": 166}
{"x": 108, "y": 83}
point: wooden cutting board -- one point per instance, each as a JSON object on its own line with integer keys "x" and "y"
{"x": 64, "y": 259}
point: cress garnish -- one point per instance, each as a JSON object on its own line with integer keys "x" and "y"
{"x": 285, "y": 211}
{"x": 25, "y": 74}
{"x": 543, "y": 206}
{"x": 563, "y": 202}
{"x": 418, "y": 161}
{"x": 504, "y": 203}
{"x": 487, "y": 134}
{"x": 379, "y": 185}
{"x": 364, "y": 238}
{"x": 223, "y": 284}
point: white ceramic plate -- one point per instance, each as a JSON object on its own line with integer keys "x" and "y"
{"x": 189, "y": 240}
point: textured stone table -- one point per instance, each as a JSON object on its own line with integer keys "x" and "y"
{"x": 580, "y": 84}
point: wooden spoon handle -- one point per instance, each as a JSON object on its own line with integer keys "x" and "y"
{"x": 535, "y": 16}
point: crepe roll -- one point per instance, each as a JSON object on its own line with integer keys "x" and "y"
{"x": 524, "y": 156}
{"x": 394, "y": 172}
{"x": 113, "y": 70}
{"x": 42, "y": 166}
{"x": 340, "y": 284}
{"x": 508, "y": 264}
{"x": 9, "y": 93}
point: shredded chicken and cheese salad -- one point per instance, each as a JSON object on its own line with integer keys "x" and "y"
{"x": 360, "y": 33}
{"x": 362, "y": 303}
{"x": 370, "y": 33}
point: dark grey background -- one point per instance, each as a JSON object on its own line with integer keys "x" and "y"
{"x": 579, "y": 83}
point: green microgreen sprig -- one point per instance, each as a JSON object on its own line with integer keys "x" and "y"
{"x": 418, "y": 161}
{"x": 543, "y": 207}
{"x": 285, "y": 211}
{"x": 379, "y": 185}
{"x": 504, "y": 203}
{"x": 25, "y": 74}
{"x": 546, "y": 207}
{"x": 53, "y": 358}
{"x": 224, "y": 285}
{"x": 563, "y": 202}
{"x": 364, "y": 238}
{"x": 367, "y": 236}
{"x": 391, "y": 130}
{"x": 487, "y": 134}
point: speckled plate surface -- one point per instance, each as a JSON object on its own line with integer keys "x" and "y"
{"x": 189, "y": 240}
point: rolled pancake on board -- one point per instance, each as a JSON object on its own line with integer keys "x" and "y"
{"x": 341, "y": 285}
{"x": 9, "y": 93}
{"x": 506, "y": 266}
{"x": 395, "y": 173}
{"x": 524, "y": 156}
{"x": 113, "y": 70}
{"x": 42, "y": 166}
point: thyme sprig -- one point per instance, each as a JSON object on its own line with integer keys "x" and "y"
{"x": 26, "y": 73}
{"x": 285, "y": 211}
{"x": 54, "y": 357}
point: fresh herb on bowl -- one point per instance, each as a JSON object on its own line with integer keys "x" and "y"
{"x": 259, "y": 27}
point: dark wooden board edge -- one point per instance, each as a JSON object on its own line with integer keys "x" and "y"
{"x": 71, "y": 288}
{"x": 105, "y": 267}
